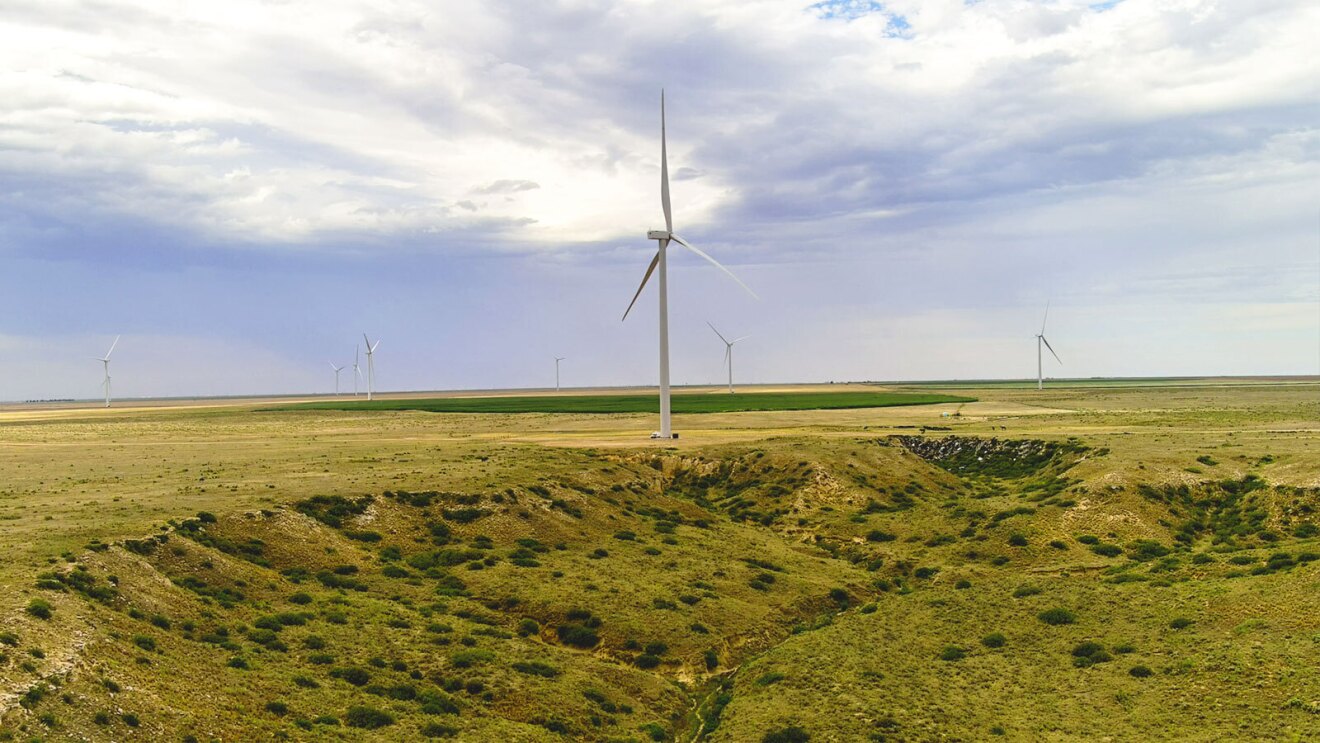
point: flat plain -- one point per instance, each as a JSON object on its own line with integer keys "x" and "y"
{"x": 1130, "y": 561}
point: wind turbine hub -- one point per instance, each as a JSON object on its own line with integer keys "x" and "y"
{"x": 659, "y": 235}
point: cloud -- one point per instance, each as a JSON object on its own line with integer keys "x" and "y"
{"x": 957, "y": 156}
{"x": 505, "y": 186}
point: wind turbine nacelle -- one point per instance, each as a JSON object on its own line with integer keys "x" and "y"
{"x": 658, "y": 235}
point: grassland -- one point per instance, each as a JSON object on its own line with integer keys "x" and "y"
{"x": 681, "y": 403}
{"x": 1131, "y": 563}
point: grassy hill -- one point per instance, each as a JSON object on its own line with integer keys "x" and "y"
{"x": 1138, "y": 572}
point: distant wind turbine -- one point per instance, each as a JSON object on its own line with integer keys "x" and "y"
{"x": 371, "y": 364}
{"x": 337, "y": 370}
{"x": 357, "y": 371}
{"x": 105, "y": 363}
{"x": 728, "y": 352}
{"x": 1040, "y": 339}
{"x": 663, "y": 238}
{"x": 557, "y": 360}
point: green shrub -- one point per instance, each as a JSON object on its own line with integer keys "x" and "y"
{"x": 952, "y": 652}
{"x": 528, "y": 627}
{"x": 39, "y": 608}
{"x": 354, "y": 676}
{"x": 790, "y": 734}
{"x": 1107, "y": 550}
{"x": 1017, "y": 540}
{"x": 963, "y": 584}
{"x": 994, "y": 640}
{"x": 536, "y": 668}
{"x": 577, "y": 635}
{"x": 647, "y": 661}
{"x": 1057, "y": 616}
{"x": 770, "y": 678}
{"x": 436, "y": 730}
{"x": 1140, "y": 672}
{"x": 238, "y": 662}
{"x": 1088, "y": 539}
{"x": 130, "y": 719}
{"x": 279, "y": 709}
{"x": 367, "y": 718}
{"x": 1180, "y": 623}
{"x": 144, "y": 642}
{"x": 876, "y": 535}
{"x": 1024, "y": 590}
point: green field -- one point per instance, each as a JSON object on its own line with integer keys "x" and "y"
{"x": 702, "y": 403}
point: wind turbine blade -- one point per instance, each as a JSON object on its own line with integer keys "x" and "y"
{"x": 1047, "y": 345}
{"x": 1044, "y": 319}
{"x": 112, "y": 347}
{"x": 664, "y": 169}
{"x": 736, "y": 340}
{"x": 728, "y": 349}
{"x": 716, "y": 263}
{"x": 368, "y": 340}
{"x": 649, "y": 270}
{"x": 373, "y": 348}
{"x": 712, "y": 327}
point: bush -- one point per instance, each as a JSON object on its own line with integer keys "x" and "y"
{"x": 367, "y": 718}
{"x": 994, "y": 640}
{"x": 354, "y": 676}
{"x": 876, "y": 535}
{"x": 238, "y": 662}
{"x": 528, "y": 627}
{"x": 39, "y": 608}
{"x": 130, "y": 719}
{"x": 144, "y": 642}
{"x": 963, "y": 584}
{"x": 1140, "y": 672}
{"x": 952, "y": 652}
{"x": 536, "y": 668}
{"x": 1088, "y": 539}
{"x": 1086, "y": 649}
{"x": 577, "y": 635}
{"x": 1057, "y": 616}
{"x": 279, "y": 709}
{"x": 1018, "y": 540}
{"x": 436, "y": 730}
{"x": 647, "y": 661}
{"x": 790, "y": 734}
{"x": 1107, "y": 550}
{"x": 1024, "y": 591}
{"x": 1180, "y": 623}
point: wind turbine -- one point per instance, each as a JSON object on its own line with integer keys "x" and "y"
{"x": 1040, "y": 338}
{"x": 557, "y": 360}
{"x": 663, "y": 238}
{"x": 337, "y": 370}
{"x": 105, "y": 363}
{"x": 371, "y": 364}
{"x": 357, "y": 371}
{"x": 728, "y": 352}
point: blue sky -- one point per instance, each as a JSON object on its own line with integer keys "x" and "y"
{"x": 242, "y": 191}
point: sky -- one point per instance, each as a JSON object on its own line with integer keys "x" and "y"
{"x": 242, "y": 189}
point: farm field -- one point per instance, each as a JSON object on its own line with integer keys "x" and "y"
{"x": 680, "y": 403}
{"x": 1132, "y": 562}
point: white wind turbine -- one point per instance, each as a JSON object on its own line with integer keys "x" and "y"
{"x": 663, "y": 238}
{"x": 371, "y": 364}
{"x": 1040, "y": 339}
{"x": 337, "y": 370}
{"x": 728, "y": 352}
{"x": 557, "y": 360}
{"x": 105, "y": 363}
{"x": 357, "y": 371}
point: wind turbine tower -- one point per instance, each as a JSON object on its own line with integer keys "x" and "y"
{"x": 371, "y": 364}
{"x": 663, "y": 238}
{"x": 728, "y": 352}
{"x": 357, "y": 370}
{"x": 557, "y": 360}
{"x": 105, "y": 363}
{"x": 337, "y": 370}
{"x": 1040, "y": 339}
